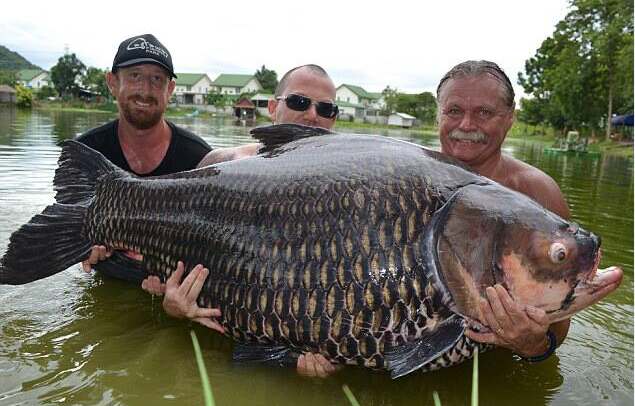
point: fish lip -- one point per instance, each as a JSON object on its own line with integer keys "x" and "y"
{"x": 599, "y": 279}
{"x": 594, "y": 269}
{"x": 602, "y": 279}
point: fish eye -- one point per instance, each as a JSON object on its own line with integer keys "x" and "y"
{"x": 557, "y": 253}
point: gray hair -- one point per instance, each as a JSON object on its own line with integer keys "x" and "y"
{"x": 477, "y": 68}
{"x": 318, "y": 70}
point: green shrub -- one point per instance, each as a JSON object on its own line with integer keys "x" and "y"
{"x": 24, "y": 96}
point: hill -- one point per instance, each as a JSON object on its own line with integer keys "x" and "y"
{"x": 10, "y": 60}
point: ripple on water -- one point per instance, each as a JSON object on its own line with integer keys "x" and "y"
{"x": 80, "y": 339}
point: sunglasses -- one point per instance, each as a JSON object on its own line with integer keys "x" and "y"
{"x": 302, "y": 103}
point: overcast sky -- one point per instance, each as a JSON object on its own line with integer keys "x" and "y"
{"x": 405, "y": 44}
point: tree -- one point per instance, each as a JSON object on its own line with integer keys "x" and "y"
{"x": 66, "y": 75}
{"x": 426, "y": 107}
{"x": 45, "y": 92}
{"x": 8, "y": 77}
{"x": 583, "y": 72}
{"x": 95, "y": 80}
{"x": 390, "y": 100}
{"x": 267, "y": 78}
{"x": 24, "y": 96}
{"x": 216, "y": 99}
{"x": 422, "y": 106}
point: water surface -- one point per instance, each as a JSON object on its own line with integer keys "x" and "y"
{"x": 78, "y": 338}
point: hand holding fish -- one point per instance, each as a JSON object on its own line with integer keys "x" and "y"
{"x": 98, "y": 253}
{"x": 315, "y": 366}
{"x": 180, "y": 297}
{"x": 180, "y": 302}
{"x": 152, "y": 284}
{"x": 521, "y": 329}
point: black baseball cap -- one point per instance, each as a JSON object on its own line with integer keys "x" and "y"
{"x": 143, "y": 49}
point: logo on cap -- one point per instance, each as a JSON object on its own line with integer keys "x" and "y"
{"x": 141, "y": 43}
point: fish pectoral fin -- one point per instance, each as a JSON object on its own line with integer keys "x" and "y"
{"x": 123, "y": 267}
{"x": 276, "y": 355}
{"x": 408, "y": 357}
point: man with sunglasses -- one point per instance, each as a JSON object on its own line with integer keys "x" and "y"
{"x": 305, "y": 95}
{"x": 475, "y": 112}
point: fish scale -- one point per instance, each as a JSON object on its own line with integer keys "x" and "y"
{"x": 345, "y": 245}
{"x": 282, "y": 314}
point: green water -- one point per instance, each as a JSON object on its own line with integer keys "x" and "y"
{"x": 75, "y": 338}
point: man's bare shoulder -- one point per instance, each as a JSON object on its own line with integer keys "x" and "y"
{"x": 229, "y": 154}
{"x": 536, "y": 184}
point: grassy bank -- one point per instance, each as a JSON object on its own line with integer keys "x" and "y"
{"x": 519, "y": 131}
{"x": 76, "y": 106}
{"x": 613, "y": 148}
{"x": 548, "y": 137}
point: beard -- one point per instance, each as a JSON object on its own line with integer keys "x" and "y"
{"x": 141, "y": 119}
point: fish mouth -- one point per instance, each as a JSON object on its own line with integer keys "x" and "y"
{"x": 595, "y": 286}
{"x": 600, "y": 279}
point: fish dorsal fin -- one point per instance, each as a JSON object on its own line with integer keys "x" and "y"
{"x": 408, "y": 357}
{"x": 272, "y": 136}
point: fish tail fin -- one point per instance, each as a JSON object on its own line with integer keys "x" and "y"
{"x": 55, "y": 239}
{"x": 49, "y": 243}
{"x": 79, "y": 169}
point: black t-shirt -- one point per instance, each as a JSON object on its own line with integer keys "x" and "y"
{"x": 185, "y": 151}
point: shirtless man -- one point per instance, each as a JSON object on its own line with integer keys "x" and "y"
{"x": 314, "y": 86}
{"x": 475, "y": 112}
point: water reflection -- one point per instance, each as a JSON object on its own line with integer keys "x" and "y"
{"x": 79, "y": 339}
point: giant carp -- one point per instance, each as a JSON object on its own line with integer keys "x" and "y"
{"x": 369, "y": 250}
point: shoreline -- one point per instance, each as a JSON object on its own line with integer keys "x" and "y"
{"x": 519, "y": 131}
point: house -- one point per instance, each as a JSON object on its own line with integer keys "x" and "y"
{"x": 358, "y": 95}
{"x": 401, "y": 119}
{"x": 350, "y": 111}
{"x": 7, "y": 94}
{"x": 245, "y": 110}
{"x": 261, "y": 101}
{"x": 192, "y": 88}
{"x": 33, "y": 78}
{"x": 236, "y": 84}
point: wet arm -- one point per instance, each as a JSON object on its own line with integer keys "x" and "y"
{"x": 228, "y": 154}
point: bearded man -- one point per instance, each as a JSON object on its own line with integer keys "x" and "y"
{"x": 141, "y": 140}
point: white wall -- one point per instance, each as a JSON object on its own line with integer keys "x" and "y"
{"x": 202, "y": 86}
{"x": 226, "y": 90}
{"x": 251, "y": 86}
{"x": 345, "y": 94}
{"x": 394, "y": 119}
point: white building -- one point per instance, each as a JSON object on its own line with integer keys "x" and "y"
{"x": 236, "y": 84}
{"x": 401, "y": 119}
{"x": 358, "y": 95}
{"x": 349, "y": 110}
{"x": 192, "y": 88}
{"x": 261, "y": 101}
{"x": 34, "y": 78}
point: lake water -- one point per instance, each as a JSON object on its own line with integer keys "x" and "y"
{"x": 78, "y": 338}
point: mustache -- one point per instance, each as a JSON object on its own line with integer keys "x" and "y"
{"x": 474, "y": 136}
